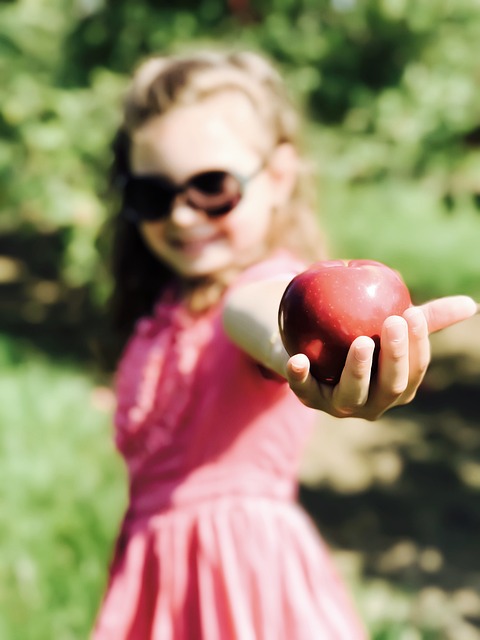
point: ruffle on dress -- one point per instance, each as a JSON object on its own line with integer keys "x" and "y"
{"x": 228, "y": 569}
{"x": 165, "y": 352}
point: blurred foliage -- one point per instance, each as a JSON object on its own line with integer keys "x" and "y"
{"x": 392, "y": 91}
{"x": 391, "y": 88}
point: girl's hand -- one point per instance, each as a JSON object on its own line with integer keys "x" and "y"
{"x": 404, "y": 358}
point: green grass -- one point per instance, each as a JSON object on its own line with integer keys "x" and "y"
{"x": 62, "y": 494}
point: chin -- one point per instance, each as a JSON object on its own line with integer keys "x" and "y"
{"x": 203, "y": 268}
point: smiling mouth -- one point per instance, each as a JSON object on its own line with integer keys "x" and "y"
{"x": 193, "y": 245}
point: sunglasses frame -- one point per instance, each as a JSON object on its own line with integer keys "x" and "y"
{"x": 172, "y": 190}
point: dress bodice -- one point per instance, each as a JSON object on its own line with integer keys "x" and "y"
{"x": 196, "y": 415}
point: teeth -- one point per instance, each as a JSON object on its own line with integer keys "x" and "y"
{"x": 191, "y": 244}
{"x": 193, "y": 240}
{"x": 190, "y": 241}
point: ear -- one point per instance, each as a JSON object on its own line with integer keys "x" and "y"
{"x": 283, "y": 171}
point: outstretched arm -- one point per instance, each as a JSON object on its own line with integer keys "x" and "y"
{"x": 251, "y": 321}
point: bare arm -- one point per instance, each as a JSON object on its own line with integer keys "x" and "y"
{"x": 251, "y": 321}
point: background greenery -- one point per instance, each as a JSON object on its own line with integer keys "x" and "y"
{"x": 391, "y": 88}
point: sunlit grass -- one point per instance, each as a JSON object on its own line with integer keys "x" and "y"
{"x": 61, "y": 492}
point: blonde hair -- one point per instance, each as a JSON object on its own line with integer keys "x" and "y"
{"x": 162, "y": 83}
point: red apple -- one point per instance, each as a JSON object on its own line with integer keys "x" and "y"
{"x": 324, "y": 308}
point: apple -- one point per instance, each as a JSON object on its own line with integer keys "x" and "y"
{"x": 324, "y": 308}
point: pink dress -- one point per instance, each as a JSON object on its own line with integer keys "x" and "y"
{"x": 213, "y": 545}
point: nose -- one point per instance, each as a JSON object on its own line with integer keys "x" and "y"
{"x": 183, "y": 215}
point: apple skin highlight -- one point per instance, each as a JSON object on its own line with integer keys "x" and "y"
{"x": 327, "y": 306}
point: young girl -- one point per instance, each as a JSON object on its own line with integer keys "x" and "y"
{"x": 212, "y": 415}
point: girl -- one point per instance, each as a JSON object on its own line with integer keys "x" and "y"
{"x": 214, "y": 223}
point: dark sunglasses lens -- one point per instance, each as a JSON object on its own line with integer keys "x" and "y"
{"x": 215, "y": 192}
{"x": 148, "y": 198}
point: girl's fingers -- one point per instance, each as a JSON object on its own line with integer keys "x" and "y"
{"x": 352, "y": 391}
{"x": 403, "y": 360}
{"x": 394, "y": 366}
{"x": 419, "y": 348}
{"x": 443, "y": 312}
{"x": 298, "y": 368}
{"x": 304, "y": 386}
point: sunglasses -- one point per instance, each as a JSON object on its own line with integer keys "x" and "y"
{"x": 151, "y": 197}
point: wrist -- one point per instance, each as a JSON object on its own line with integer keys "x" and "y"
{"x": 277, "y": 356}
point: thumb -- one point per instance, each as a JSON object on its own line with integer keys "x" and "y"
{"x": 303, "y": 385}
{"x": 298, "y": 368}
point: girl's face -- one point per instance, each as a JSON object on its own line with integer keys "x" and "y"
{"x": 221, "y": 132}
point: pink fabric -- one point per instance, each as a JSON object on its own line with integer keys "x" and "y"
{"x": 213, "y": 545}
